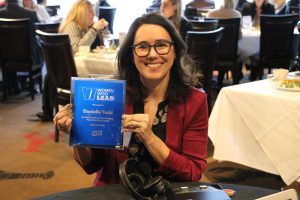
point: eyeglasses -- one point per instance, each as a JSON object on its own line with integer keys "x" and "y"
{"x": 161, "y": 47}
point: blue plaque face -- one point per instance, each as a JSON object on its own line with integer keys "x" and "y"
{"x": 98, "y": 107}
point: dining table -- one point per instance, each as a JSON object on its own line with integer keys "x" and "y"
{"x": 257, "y": 124}
{"x": 96, "y": 62}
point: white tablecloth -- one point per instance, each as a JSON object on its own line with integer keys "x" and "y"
{"x": 256, "y": 125}
{"x": 96, "y": 63}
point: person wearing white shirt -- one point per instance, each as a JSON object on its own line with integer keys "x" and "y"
{"x": 42, "y": 13}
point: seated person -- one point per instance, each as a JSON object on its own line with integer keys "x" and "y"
{"x": 256, "y": 8}
{"x": 172, "y": 10}
{"x": 240, "y": 4}
{"x": 192, "y": 9}
{"x": 280, "y": 7}
{"x": 82, "y": 32}
{"x": 166, "y": 114}
{"x": 226, "y": 11}
{"x": 14, "y": 11}
{"x": 155, "y": 7}
{"x": 42, "y": 13}
{"x": 80, "y": 26}
{"x": 205, "y": 4}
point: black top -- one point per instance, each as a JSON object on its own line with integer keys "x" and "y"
{"x": 250, "y": 9}
{"x": 158, "y": 128}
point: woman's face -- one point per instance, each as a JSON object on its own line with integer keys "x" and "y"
{"x": 154, "y": 67}
{"x": 90, "y": 16}
{"x": 167, "y": 8}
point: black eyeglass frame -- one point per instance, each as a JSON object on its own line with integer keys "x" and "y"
{"x": 171, "y": 43}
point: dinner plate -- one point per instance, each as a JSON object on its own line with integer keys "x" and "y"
{"x": 295, "y": 74}
{"x": 281, "y": 86}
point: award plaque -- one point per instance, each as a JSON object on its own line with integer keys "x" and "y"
{"x": 98, "y": 106}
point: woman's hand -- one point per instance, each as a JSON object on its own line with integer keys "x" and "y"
{"x": 140, "y": 124}
{"x": 100, "y": 24}
{"x": 63, "y": 119}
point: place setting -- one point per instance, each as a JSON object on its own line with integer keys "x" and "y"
{"x": 282, "y": 79}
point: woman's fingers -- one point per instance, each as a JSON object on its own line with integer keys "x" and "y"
{"x": 63, "y": 119}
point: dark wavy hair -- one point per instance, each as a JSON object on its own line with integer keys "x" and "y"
{"x": 182, "y": 75}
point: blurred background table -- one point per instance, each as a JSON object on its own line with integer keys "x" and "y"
{"x": 116, "y": 192}
{"x": 96, "y": 63}
{"x": 256, "y": 125}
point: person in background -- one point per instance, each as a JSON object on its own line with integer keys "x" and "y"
{"x": 80, "y": 26}
{"x": 226, "y": 11}
{"x": 256, "y": 8}
{"x": 171, "y": 9}
{"x": 239, "y": 4}
{"x": 154, "y": 7}
{"x": 167, "y": 115}
{"x": 29, "y": 4}
{"x": 15, "y": 11}
{"x": 198, "y": 8}
{"x": 205, "y": 4}
{"x": 41, "y": 11}
{"x": 82, "y": 31}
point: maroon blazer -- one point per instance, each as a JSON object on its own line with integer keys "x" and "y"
{"x": 186, "y": 136}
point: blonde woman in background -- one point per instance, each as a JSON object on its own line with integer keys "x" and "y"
{"x": 171, "y": 9}
{"x": 80, "y": 26}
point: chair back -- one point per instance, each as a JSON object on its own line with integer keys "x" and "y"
{"x": 227, "y": 54}
{"x": 15, "y": 40}
{"x": 228, "y": 45}
{"x": 289, "y": 194}
{"x": 108, "y": 13}
{"x": 58, "y": 56}
{"x": 47, "y": 27}
{"x": 206, "y": 25}
{"x": 276, "y": 41}
{"x": 293, "y": 10}
{"x": 52, "y": 10}
{"x": 202, "y": 47}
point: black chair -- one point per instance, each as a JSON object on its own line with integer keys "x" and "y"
{"x": 47, "y": 27}
{"x": 17, "y": 48}
{"x": 227, "y": 55}
{"x": 276, "y": 44}
{"x": 60, "y": 64}
{"x": 206, "y": 25}
{"x": 202, "y": 47}
{"x": 108, "y": 13}
{"x": 52, "y": 10}
{"x": 196, "y": 13}
{"x": 293, "y": 10}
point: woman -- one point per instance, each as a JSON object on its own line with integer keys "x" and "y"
{"x": 172, "y": 10}
{"x": 80, "y": 26}
{"x": 168, "y": 116}
{"x": 256, "y": 8}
